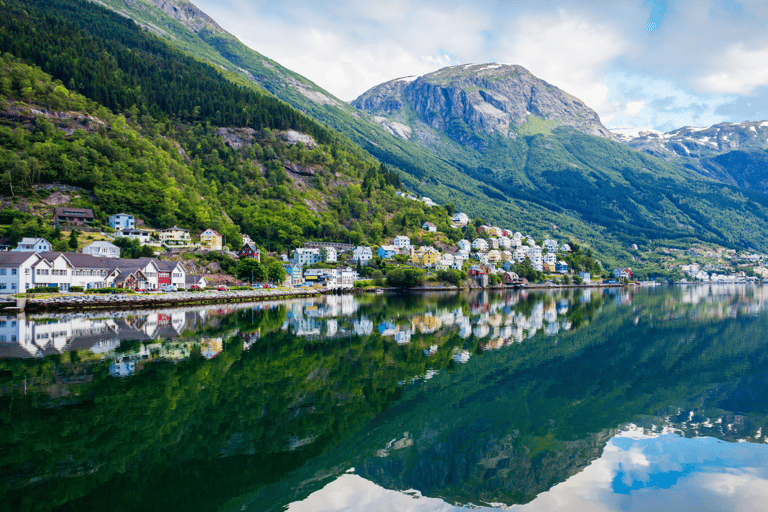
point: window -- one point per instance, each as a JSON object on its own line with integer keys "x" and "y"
{"x": 13, "y": 271}
{"x": 26, "y": 271}
{"x": 13, "y": 286}
{"x": 3, "y": 286}
{"x": 2, "y": 271}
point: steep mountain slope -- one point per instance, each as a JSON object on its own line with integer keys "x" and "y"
{"x": 734, "y": 153}
{"x": 529, "y": 169}
{"x": 182, "y": 144}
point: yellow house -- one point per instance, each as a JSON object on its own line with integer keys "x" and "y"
{"x": 430, "y": 258}
{"x": 212, "y": 240}
{"x": 426, "y": 259}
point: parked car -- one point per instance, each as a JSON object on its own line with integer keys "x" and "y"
{"x": 222, "y": 288}
{"x": 168, "y": 288}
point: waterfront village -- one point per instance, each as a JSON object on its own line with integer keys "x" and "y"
{"x": 170, "y": 260}
{"x": 490, "y": 258}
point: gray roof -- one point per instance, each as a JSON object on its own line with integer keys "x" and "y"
{"x": 31, "y": 241}
{"x": 102, "y": 243}
{"x": 81, "y": 260}
{"x": 14, "y": 259}
{"x": 168, "y": 266}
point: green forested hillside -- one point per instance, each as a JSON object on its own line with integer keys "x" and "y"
{"x": 560, "y": 183}
{"x": 165, "y": 157}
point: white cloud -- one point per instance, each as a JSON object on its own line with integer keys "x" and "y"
{"x": 570, "y": 52}
{"x": 633, "y": 107}
{"x": 741, "y": 70}
{"x": 706, "y": 49}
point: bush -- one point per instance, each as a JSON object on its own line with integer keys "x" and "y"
{"x": 111, "y": 290}
{"x": 405, "y": 277}
{"x": 452, "y": 276}
{"x": 44, "y": 289}
{"x": 367, "y": 283}
{"x": 76, "y": 288}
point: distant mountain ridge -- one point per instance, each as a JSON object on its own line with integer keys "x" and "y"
{"x": 734, "y": 153}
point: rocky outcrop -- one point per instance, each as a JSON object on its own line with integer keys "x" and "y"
{"x": 485, "y": 98}
{"x": 188, "y": 14}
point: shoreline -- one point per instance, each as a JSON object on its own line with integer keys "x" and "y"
{"x": 96, "y": 302}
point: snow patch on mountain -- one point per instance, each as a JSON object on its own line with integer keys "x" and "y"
{"x": 627, "y": 134}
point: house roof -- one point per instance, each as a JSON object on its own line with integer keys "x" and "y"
{"x": 10, "y": 258}
{"x": 102, "y": 243}
{"x": 210, "y": 231}
{"x": 174, "y": 228}
{"x": 79, "y": 260}
{"x": 31, "y": 241}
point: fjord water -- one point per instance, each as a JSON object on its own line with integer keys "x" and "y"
{"x": 578, "y": 399}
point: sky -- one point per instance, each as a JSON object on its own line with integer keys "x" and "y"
{"x": 638, "y": 63}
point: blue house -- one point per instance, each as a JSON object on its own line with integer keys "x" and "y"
{"x": 387, "y": 251}
{"x": 561, "y": 267}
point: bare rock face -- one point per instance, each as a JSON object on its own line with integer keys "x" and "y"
{"x": 487, "y": 98}
{"x": 187, "y": 13}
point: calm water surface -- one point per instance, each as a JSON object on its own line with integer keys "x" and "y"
{"x": 571, "y": 400}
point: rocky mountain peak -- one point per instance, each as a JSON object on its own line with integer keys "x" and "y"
{"x": 489, "y": 98}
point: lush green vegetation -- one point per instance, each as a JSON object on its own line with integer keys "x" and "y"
{"x": 405, "y": 277}
{"x": 167, "y": 161}
{"x": 44, "y": 289}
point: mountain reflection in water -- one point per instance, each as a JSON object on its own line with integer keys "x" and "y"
{"x": 488, "y": 398}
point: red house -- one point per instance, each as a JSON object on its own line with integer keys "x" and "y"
{"x": 249, "y": 251}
